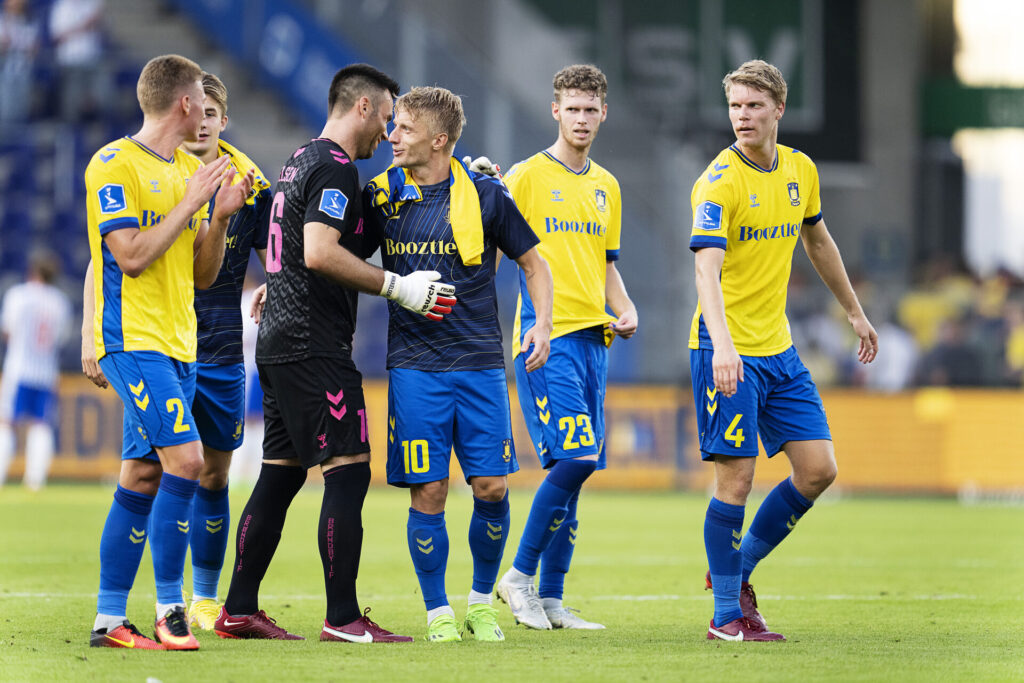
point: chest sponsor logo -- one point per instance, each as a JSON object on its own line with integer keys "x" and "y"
{"x": 794, "y": 193}
{"x": 583, "y": 227}
{"x": 773, "y": 232}
{"x": 602, "y": 200}
{"x": 333, "y": 203}
{"x": 708, "y": 216}
{"x": 112, "y": 198}
{"x": 436, "y": 247}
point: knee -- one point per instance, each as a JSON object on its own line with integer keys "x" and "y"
{"x": 430, "y": 498}
{"x": 813, "y": 481}
{"x": 213, "y": 480}
{"x": 491, "y": 489}
{"x": 140, "y": 476}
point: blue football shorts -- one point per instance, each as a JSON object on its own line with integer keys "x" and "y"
{"x": 219, "y": 405}
{"x": 563, "y": 401}
{"x": 36, "y": 403}
{"x": 776, "y": 400}
{"x": 429, "y": 413}
{"x": 157, "y": 393}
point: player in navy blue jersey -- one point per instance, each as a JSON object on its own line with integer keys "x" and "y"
{"x": 219, "y": 404}
{"x": 314, "y": 411}
{"x": 447, "y": 380}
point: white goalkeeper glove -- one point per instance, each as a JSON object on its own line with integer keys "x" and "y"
{"x": 420, "y": 293}
{"x": 483, "y": 165}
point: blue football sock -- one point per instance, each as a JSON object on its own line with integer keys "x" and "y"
{"x": 488, "y": 531}
{"x": 169, "y": 526}
{"x": 211, "y": 523}
{"x": 723, "y": 525}
{"x": 549, "y": 510}
{"x": 428, "y": 547}
{"x": 776, "y": 517}
{"x": 554, "y": 562}
{"x": 121, "y": 546}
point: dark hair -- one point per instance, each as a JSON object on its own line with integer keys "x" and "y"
{"x": 44, "y": 263}
{"x": 355, "y": 81}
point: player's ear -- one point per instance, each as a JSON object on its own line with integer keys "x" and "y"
{"x": 223, "y": 123}
{"x": 440, "y": 140}
{"x": 554, "y": 110}
{"x": 604, "y": 111}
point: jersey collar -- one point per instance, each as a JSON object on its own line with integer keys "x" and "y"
{"x": 586, "y": 167}
{"x": 745, "y": 159}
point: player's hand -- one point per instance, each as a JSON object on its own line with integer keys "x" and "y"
{"x": 258, "y": 301}
{"x": 626, "y": 325}
{"x": 420, "y": 293}
{"x": 727, "y": 368}
{"x": 868, "y": 348}
{"x": 91, "y": 366}
{"x": 231, "y": 197}
{"x": 541, "y": 342}
{"x": 204, "y": 183}
{"x": 483, "y": 165}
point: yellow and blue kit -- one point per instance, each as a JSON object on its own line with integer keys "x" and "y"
{"x": 755, "y": 215}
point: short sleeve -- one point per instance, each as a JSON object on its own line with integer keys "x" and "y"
{"x": 503, "y": 220}
{"x": 711, "y": 204}
{"x": 113, "y": 193}
{"x": 613, "y": 235}
{"x": 333, "y": 196}
{"x": 812, "y": 215}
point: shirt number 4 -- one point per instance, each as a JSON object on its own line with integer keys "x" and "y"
{"x": 734, "y": 433}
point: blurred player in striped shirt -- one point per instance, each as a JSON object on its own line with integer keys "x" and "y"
{"x": 35, "y": 320}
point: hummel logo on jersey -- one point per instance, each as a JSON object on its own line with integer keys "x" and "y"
{"x": 572, "y": 535}
{"x": 712, "y": 177}
{"x": 753, "y": 201}
{"x": 155, "y": 185}
{"x": 556, "y": 524}
{"x": 333, "y": 203}
{"x": 556, "y": 196}
{"x": 107, "y": 157}
{"x": 708, "y": 216}
{"x": 112, "y": 198}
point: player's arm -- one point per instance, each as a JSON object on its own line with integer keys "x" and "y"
{"x": 541, "y": 289}
{"x": 620, "y": 303}
{"x": 230, "y": 198}
{"x": 90, "y": 366}
{"x": 726, "y": 364}
{"x": 135, "y": 250}
{"x": 824, "y": 255}
{"x": 418, "y": 291}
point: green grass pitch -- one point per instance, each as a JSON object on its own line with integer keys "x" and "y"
{"x": 864, "y": 589}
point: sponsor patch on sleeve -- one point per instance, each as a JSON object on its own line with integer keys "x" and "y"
{"x": 708, "y": 216}
{"x": 333, "y": 203}
{"x": 112, "y": 198}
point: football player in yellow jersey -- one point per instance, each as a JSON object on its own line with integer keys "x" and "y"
{"x": 152, "y": 244}
{"x": 574, "y": 207}
{"x": 750, "y": 206}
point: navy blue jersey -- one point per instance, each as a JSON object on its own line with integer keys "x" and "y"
{"x": 219, "y": 308}
{"x": 419, "y": 237}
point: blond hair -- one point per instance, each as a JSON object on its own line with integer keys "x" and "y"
{"x": 216, "y": 90}
{"x": 442, "y": 106}
{"x": 760, "y": 75}
{"x": 162, "y": 81}
{"x": 585, "y": 78}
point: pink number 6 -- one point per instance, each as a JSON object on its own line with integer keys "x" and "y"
{"x": 275, "y": 238}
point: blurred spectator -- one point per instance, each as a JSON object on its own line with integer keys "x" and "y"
{"x": 76, "y": 28}
{"x": 19, "y": 41}
{"x": 1015, "y": 342}
{"x": 893, "y": 369}
{"x": 953, "y": 361}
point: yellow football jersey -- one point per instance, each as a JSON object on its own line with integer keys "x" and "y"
{"x": 578, "y": 218}
{"x": 755, "y": 214}
{"x": 129, "y": 185}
